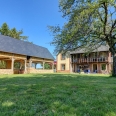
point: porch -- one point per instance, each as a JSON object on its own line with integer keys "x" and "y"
{"x": 103, "y": 68}
{"x": 89, "y": 60}
{"x": 18, "y": 64}
{"x": 32, "y": 66}
{"x": 12, "y": 65}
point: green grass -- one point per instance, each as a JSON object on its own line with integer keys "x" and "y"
{"x": 57, "y": 95}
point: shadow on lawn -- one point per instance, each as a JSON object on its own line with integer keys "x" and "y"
{"x": 60, "y": 94}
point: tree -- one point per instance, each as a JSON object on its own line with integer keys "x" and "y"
{"x": 47, "y": 66}
{"x": 4, "y": 30}
{"x": 90, "y": 23}
{"x": 2, "y": 64}
{"x": 17, "y": 34}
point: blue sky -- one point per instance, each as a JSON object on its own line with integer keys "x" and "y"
{"x": 33, "y": 16}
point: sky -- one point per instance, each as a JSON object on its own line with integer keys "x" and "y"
{"x": 33, "y": 17}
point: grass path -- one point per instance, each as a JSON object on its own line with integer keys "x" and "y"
{"x": 57, "y": 95}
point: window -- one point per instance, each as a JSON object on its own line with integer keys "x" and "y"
{"x": 89, "y": 55}
{"x": 103, "y": 54}
{"x": 95, "y": 54}
{"x": 78, "y": 55}
{"x": 62, "y": 66}
{"x": 62, "y": 56}
{"x": 103, "y": 66}
{"x": 85, "y": 56}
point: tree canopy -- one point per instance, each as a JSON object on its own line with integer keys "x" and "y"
{"x": 5, "y": 30}
{"x": 89, "y": 22}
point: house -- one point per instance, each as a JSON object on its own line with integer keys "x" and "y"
{"x": 98, "y": 61}
{"x": 26, "y": 55}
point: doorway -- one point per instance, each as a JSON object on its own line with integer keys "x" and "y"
{"x": 95, "y": 68}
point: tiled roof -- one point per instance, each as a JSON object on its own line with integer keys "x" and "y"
{"x": 97, "y": 49}
{"x": 11, "y": 45}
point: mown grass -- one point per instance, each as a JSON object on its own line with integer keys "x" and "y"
{"x": 57, "y": 95}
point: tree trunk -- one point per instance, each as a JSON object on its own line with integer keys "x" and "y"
{"x": 114, "y": 66}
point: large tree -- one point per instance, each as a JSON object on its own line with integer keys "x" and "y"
{"x": 90, "y": 23}
{"x": 5, "y": 30}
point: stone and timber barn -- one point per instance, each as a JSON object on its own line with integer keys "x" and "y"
{"x": 25, "y": 53}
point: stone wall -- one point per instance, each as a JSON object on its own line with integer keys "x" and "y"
{"x": 6, "y": 71}
{"x": 32, "y": 70}
{"x": 61, "y": 71}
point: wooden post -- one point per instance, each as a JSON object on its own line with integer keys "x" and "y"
{"x": 12, "y": 66}
{"x": 25, "y": 66}
{"x": 30, "y": 64}
{"x": 35, "y": 65}
{"x": 53, "y": 66}
{"x": 43, "y": 65}
{"x": 70, "y": 68}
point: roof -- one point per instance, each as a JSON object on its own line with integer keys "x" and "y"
{"x": 11, "y": 45}
{"x": 98, "y": 49}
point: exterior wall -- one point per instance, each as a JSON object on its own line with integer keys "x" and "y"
{"x": 6, "y": 71}
{"x": 66, "y": 61}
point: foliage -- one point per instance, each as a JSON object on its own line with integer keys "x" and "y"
{"x": 57, "y": 95}
{"x": 4, "y": 30}
{"x": 17, "y": 65}
{"x": 90, "y": 23}
{"x": 17, "y": 34}
{"x": 2, "y": 64}
{"x": 103, "y": 67}
{"x": 47, "y": 66}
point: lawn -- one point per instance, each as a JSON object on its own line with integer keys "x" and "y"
{"x": 57, "y": 95}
